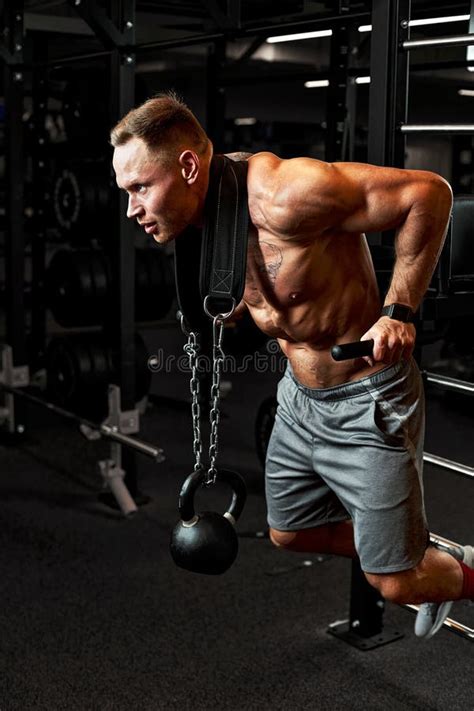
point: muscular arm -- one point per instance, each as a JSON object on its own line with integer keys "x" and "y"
{"x": 304, "y": 200}
{"x": 417, "y": 204}
{"x": 321, "y": 198}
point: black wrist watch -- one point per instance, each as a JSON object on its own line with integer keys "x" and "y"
{"x": 399, "y": 312}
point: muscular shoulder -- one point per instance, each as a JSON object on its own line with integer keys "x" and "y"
{"x": 299, "y": 192}
{"x": 305, "y": 197}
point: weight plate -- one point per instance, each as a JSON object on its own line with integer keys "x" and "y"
{"x": 66, "y": 200}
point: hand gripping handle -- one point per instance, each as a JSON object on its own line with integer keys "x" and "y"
{"x": 346, "y": 351}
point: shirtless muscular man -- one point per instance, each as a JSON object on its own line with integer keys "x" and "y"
{"x": 344, "y": 462}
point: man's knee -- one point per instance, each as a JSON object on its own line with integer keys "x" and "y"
{"x": 395, "y": 587}
{"x": 282, "y": 539}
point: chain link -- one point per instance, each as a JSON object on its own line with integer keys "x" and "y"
{"x": 214, "y": 414}
{"x": 191, "y": 348}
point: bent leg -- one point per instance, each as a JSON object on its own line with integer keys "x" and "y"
{"x": 332, "y": 538}
{"x": 438, "y": 577}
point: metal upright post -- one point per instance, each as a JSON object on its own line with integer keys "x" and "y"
{"x": 122, "y": 248}
{"x": 388, "y": 99}
{"x": 364, "y": 628}
{"x": 11, "y": 50}
{"x": 470, "y": 49}
{"x": 336, "y": 111}
{"x": 215, "y": 95}
{"x": 40, "y": 152}
{"x": 387, "y": 110}
{"x": 115, "y": 27}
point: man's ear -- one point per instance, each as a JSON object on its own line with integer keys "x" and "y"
{"x": 190, "y": 164}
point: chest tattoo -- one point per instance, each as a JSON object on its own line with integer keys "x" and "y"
{"x": 268, "y": 259}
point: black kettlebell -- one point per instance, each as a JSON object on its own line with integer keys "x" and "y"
{"x": 207, "y": 542}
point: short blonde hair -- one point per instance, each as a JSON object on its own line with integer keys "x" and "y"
{"x": 163, "y": 122}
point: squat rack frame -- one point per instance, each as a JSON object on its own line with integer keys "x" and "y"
{"x": 117, "y": 33}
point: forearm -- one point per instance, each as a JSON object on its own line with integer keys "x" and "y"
{"x": 418, "y": 244}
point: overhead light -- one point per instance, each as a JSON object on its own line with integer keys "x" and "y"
{"x": 299, "y": 36}
{"x": 466, "y": 92}
{"x": 427, "y": 21}
{"x": 249, "y": 121}
{"x": 316, "y": 83}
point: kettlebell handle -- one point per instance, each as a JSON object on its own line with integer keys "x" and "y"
{"x": 197, "y": 478}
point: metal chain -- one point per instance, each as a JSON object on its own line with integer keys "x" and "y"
{"x": 191, "y": 348}
{"x": 218, "y": 358}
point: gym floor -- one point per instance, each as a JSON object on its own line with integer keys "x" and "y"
{"x": 95, "y": 615}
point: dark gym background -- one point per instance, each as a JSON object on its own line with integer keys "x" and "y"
{"x": 93, "y": 613}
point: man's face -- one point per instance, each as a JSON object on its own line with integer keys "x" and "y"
{"x": 159, "y": 198}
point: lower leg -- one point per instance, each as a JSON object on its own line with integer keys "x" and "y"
{"x": 333, "y": 538}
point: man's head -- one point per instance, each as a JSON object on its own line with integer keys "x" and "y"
{"x": 161, "y": 159}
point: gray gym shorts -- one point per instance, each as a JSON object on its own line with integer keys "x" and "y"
{"x": 353, "y": 451}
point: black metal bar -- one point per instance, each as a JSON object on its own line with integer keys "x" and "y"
{"x": 105, "y": 430}
{"x": 364, "y": 629}
{"x": 305, "y": 25}
{"x": 75, "y": 58}
{"x": 215, "y": 96}
{"x": 11, "y": 43}
{"x": 366, "y": 606}
{"x": 336, "y": 95}
{"x": 387, "y": 103}
{"x": 121, "y": 245}
{"x": 40, "y": 169}
{"x": 388, "y": 99}
{"x": 188, "y": 41}
{"x": 348, "y": 150}
{"x": 470, "y": 49}
{"x": 15, "y": 332}
{"x": 111, "y": 34}
{"x": 252, "y": 30}
{"x": 209, "y": 37}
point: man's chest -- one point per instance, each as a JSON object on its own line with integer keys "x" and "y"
{"x": 281, "y": 273}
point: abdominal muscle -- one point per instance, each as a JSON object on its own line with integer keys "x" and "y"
{"x": 311, "y": 297}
